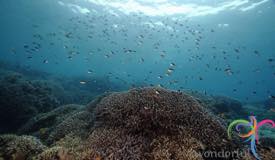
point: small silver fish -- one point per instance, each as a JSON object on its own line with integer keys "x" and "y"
{"x": 83, "y": 82}
{"x": 172, "y": 64}
{"x": 90, "y": 71}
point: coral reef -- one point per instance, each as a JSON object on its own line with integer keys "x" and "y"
{"x": 77, "y": 124}
{"x": 269, "y": 103}
{"x": 146, "y": 123}
{"x": 14, "y": 147}
{"x": 224, "y": 107}
{"x": 54, "y": 153}
{"x": 151, "y": 113}
{"x": 21, "y": 99}
{"x": 42, "y": 124}
{"x": 29, "y": 93}
{"x": 172, "y": 148}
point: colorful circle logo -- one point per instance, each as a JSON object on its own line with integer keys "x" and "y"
{"x": 252, "y": 134}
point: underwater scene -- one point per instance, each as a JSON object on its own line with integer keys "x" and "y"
{"x": 137, "y": 80}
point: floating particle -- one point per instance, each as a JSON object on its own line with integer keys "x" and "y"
{"x": 13, "y": 51}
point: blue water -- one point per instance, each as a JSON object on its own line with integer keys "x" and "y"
{"x": 219, "y": 47}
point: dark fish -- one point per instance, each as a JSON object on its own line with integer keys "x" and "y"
{"x": 256, "y": 52}
{"x": 90, "y": 71}
{"x": 228, "y": 71}
{"x": 270, "y": 59}
{"x": 160, "y": 77}
{"x": 26, "y": 46}
{"x": 172, "y": 64}
{"x": 68, "y": 35}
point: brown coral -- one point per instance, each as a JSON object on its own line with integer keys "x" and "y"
{"x": 155, "y": 112}
{"x": 54, "y": 153}
{"x": 143, "y": 116}
{"x": 77, "y": 124}
{"x": 149, "y": 123}
{"x": 19, "y": 147}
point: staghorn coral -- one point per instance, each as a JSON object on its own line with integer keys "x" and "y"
{"x": 148, "y": 114}
{"x": 77, "y": 124}
{"x": 265, "y": 154}
{"x": 74, "y": 145}
{"x": 54, "y": 153}
{"x": 145, "y": 124}
{"x": 19, "y": 147}
{"x": 156, "y": 112}
{"x": 42, "y": 124}
{"x": 172, "y": 148}
{"x": 120, "y": 144}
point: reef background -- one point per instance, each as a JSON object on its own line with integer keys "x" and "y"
{"x": 85, "y": 80}
{"x": 142, "y": 123}
{"x": 203, "y": 48}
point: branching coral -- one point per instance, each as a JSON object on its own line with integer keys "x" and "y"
{"x": 49, "y": 120}
{"x": 19, "y": 147}
{"x": 120, "y": 145}
{"x": 77, "y": 124}
{"x": 156, "y": 112}
{"x": 142, "y": 124}
{"x": 54, "y": 153}
{"x": 153, "y": 113}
